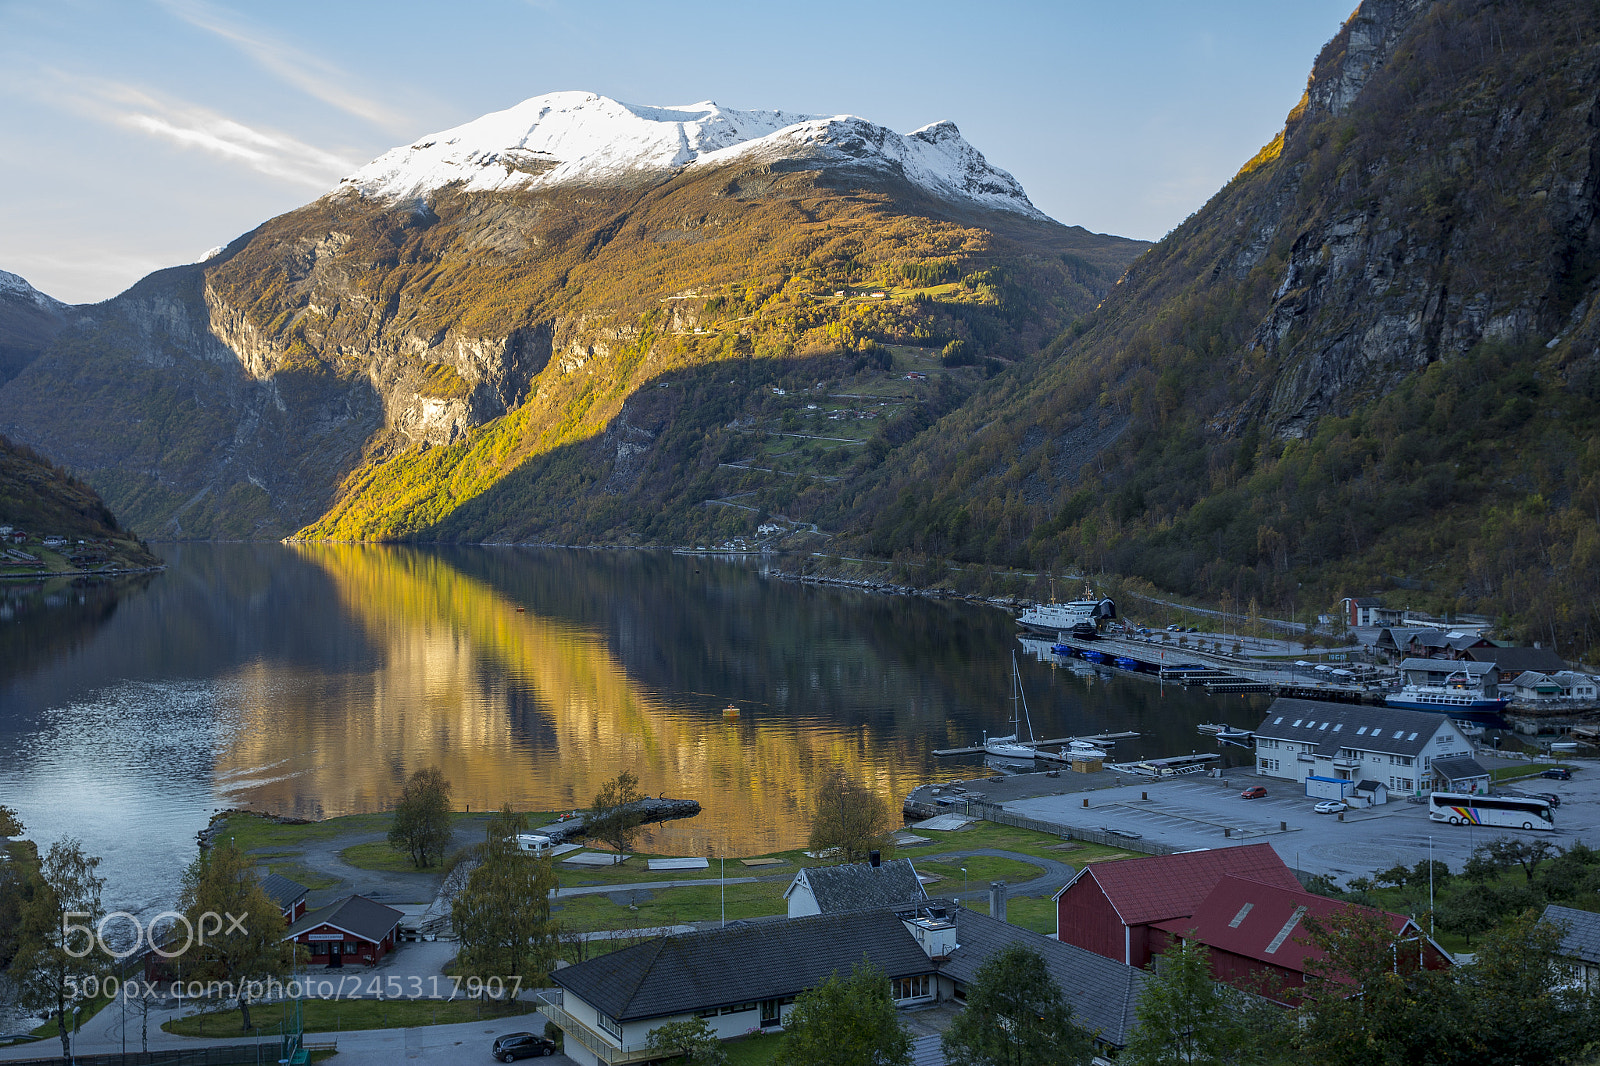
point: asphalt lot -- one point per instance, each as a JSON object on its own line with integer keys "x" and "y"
{"x": 1203, "y": 812}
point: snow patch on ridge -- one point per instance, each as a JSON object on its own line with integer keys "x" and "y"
{"x": 582, "y": 138}
{"x": 13, "y": 285}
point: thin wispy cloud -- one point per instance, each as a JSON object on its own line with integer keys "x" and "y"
{"x": 310, "y": 74}
{"x": 266, "y": 151}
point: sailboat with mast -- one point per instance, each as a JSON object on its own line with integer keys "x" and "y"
{"x": 1015, "y": 746}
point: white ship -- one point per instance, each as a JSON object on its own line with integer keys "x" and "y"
{"x": 1077, "y": 618}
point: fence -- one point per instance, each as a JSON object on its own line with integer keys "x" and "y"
{"x": 991, "y": 812}
{"x": 263, "y": 1053}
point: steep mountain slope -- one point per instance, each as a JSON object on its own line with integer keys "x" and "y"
{"x": 461, "y": 323}
{"x": 1369, "y": 363}
{"x": 41, "y": 499}
{"x": 29, "y": 321}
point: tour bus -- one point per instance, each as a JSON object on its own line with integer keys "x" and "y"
{"x": 1512, "y": 812}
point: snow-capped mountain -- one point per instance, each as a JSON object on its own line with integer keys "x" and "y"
{"x": 16, "y": 288}
{"x": 581, "y": 138}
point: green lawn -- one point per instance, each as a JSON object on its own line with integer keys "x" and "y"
{"x": 1511, "y": 773}
{"x": 332, "y": 1016}
{"x": 378, "y": 855}
{"x": 675, "y": 906}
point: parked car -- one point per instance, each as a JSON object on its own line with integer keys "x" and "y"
{"x": 1254, "y": 792}
{"x": 1174, "y": 628}
{"x": 515, "y": 1046}
{"x": 1331, "y": 807}
{"x": 1558, "y": 773}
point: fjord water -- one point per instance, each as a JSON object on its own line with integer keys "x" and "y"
{"x": 312, "y": 680}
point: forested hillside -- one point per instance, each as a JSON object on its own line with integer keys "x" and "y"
{"x": 1368, "y": 364}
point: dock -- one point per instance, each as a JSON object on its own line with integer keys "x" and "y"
{"x": 1193, "y": 668}
{"x": 1098, "y": 738}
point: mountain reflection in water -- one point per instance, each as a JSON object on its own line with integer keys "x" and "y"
{"x": 312, "y": 680}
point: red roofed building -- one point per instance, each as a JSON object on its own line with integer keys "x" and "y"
{"x": 1111, "y": 908}
{"x": 1257, "y": 931}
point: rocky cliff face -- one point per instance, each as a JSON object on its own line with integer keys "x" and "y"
{"x": 368, "y": 364}
{"x": 1372, "y": 356}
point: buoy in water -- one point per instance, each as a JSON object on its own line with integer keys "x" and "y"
{"x": 731, "y": 711}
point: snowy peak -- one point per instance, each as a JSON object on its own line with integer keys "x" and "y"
{"x": 581, "y": 138}
{"x": 15, "y": 288}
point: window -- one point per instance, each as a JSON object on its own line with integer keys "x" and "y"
{"x": 608, "y": 1024}
{"x": 1404, "y": 783}
{"x": 1297, "y": 721}
{"x": 1278, "y": 720}
{"x": 1338, "y": 727}
{"x": 1323, "y": 726}
{"x": 1412, "y": 737}
{"x": 739, "y": 1008}
{"x": 911, "y": 987}
{"x": 1361, "y": 732}
{"x": 1377, "y": 732}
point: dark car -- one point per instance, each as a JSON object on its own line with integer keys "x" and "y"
{"x": 1254, "y": 792}
{"x": 1558, "y": 773}
{"x": 515, "y": 1046}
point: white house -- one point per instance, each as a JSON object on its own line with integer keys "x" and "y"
{"x": 1580, "y": 943}
{"x": 1301, "y": 739}
{"x": 738, "y": 978}
{"x": 854, "y": 887}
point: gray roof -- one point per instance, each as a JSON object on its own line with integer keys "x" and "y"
{"x": 1459, "y": 768}
{"x": 1582, "y": 938}
{"x": 1471, "y": 668}
{"x": 859, "y": 886}
{"x": 282, "y": 891}
{"x": 1516, "y": 660}
{"x": 1102, "y": 993}
{"x": 928, "y": 1050}
{"x": 1331, "y": 726}
{"x": 357, "y": 915}
{"x": 760, "y": 960}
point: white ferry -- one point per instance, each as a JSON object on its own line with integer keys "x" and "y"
{"x": 1077, "y": 618}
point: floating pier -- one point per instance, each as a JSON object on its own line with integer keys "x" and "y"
{"x": 1096, "y": 739}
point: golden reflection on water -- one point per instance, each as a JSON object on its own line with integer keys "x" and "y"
{"x": 516, "y": 706}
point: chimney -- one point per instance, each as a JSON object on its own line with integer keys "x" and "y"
{"x": 997, "y": 900}
{"x": 875, "y": 859}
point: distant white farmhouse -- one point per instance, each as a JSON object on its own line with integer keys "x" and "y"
{"x": 1336, "y": 747}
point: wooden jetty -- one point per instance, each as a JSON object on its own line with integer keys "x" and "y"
{"x": 1096, "y": 739}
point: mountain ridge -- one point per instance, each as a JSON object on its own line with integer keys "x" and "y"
{"x": 576, "y": 138}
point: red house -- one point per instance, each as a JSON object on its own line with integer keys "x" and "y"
{"x": 1112, "y": 908}
{"x": 290, "y": 896}
{"x": 353, "y": 928}
{"x": 1255, "y": 933}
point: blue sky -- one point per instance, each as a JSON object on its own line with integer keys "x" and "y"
{"x": 140, "y": 133}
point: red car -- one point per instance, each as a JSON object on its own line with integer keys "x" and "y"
{"x": 1254, "y": 792}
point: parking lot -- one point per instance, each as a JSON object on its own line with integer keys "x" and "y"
{"x": 1205, "y": 812}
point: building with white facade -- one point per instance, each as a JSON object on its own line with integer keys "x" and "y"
{"x": 1345, "y": 742}
{"x": 854, "y": 887}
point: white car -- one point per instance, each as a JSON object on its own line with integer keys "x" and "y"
{"x": 1331, "y": 807}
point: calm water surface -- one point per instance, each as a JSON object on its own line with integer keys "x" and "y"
{"x": 312, "y": 680}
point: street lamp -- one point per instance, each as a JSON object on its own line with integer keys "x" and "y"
{"x": 963, "y": 880}
{"x": 73, "y": 1043}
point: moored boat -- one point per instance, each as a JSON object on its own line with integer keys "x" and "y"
{"x": 1077, "y": 618}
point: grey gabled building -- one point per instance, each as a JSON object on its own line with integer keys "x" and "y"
{"x": 854, "y": 887}
{"x": 737, "y": 978}
{"x": 1580, "y": 943}
{"x": 1330, "y": 746}
{"x": 1103, "y": 993}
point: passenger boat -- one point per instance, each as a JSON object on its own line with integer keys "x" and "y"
{"x": 1455, "y": 698}
{"x": 1077, "y": 618}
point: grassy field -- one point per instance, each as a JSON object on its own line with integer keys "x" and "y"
{"x": 346, "y": 1015}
